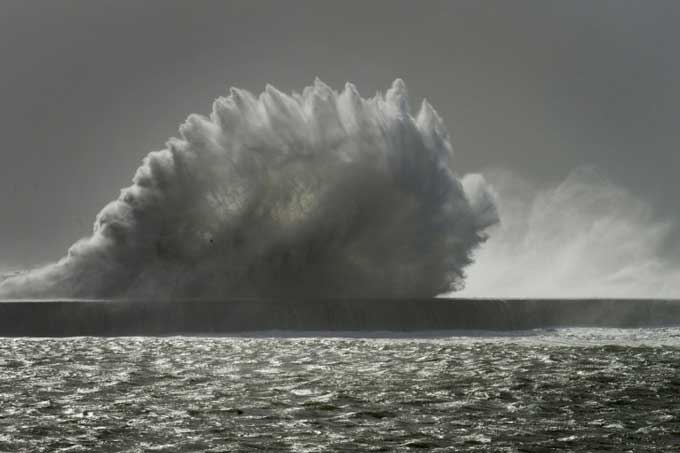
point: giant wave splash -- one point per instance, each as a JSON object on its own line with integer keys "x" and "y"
{"x": 314, "y": 194}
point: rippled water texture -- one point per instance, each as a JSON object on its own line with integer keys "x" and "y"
{"x": 572, "y": 389}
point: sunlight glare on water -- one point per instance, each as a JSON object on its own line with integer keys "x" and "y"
{"x": 573, "y": 389}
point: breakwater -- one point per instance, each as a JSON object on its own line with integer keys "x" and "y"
{"x": 193, "y": 317}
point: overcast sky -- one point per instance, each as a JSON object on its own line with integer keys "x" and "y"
{"x": 87, "y": 88}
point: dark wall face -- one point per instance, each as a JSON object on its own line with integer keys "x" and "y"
{"x": 87, "y": 88}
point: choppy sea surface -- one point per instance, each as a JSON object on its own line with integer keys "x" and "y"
{"x": 543, "y": 390}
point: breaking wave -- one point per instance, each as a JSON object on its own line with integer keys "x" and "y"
{"x": 314, "y": 194}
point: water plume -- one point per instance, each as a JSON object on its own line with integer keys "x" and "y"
{"x": 315, "y": 194}
{"x": 583, "y": 237}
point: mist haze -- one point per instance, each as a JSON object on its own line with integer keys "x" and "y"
{"x": 583, "y": 237}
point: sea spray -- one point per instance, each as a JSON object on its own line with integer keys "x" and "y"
{"x": 582, "y": 237}
{"x": 315, "y": 194}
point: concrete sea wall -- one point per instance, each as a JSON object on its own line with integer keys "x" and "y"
{"x": 118, "y": 318}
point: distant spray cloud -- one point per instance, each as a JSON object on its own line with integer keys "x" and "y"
{"x": 585, "y": 237}
{"x": 314, "y": 194}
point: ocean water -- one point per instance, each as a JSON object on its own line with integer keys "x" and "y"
{"x": 543, "y": 390}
